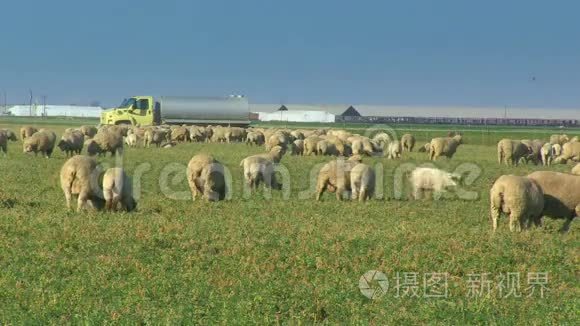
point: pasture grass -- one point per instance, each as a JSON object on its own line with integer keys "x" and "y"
{"x": 253, "y": 260}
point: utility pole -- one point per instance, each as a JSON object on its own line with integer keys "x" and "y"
{"x": 30, "y": 108}
{"x": 44, "y": 106}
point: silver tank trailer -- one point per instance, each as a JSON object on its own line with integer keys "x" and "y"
{"x": 232, "y": 110}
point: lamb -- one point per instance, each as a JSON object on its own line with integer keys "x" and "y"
{"x": 431, "y": 179}
{"x": 520, "y": 197}
{"x": 570, "y": 151}
{"x": 394, "y": 150}
{"x": 362, "y": 182}
{"x": 27, "y": 131}
{"x": 546, "y": 153}
{"x": 260, "y": 168}
{"x": 104, "y": 142}
{"x": 561, "y": 195}
{"x": 42, "y": 141}
{"x": 88, "y": 131}
{"x": 79, "y": 176}
{"x": 118, "y": 190}
{"x": 206, "y": 175}
{"x": 335, "y": 176}
{"x": 408, "y": 142}
{"x": 511, "y": 152}
{"x": 71, "y": 142}
{"x": 444, "y": 147}
{"x": 131, "y": 140}
{"x": 576, "y": 169}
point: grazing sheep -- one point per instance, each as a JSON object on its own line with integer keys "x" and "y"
{"x": 10, "y": 135}
{"x": 219, "y": 134}
{"x": 3, "y": 143}
{"x": 298, "y": 147}
{"x": 444, "y": 147}
{"x": 5, "y": 136}
{"x": 576, "y": 169}
{"x": 535, "y": 147}
{"x": 27, "y": 131}
{"x": 260, "y": 168}
{"x": 520, "y": 197}
{"x": 297, "y": 134}
{"x": 559, "y": 139}
{"x": 573, "y": 139}
{"x": 511, "y": 152}
{"x": 180, "y": 134}
{"x": 71, "y": 142}
{"x": 277, "y": 139}
{"x": 235, "y": 134}
{"x": 88, "y": 131}
{"x": 357, "y": 146}
{"x": 255, "y": 138}
{"x": 79, "y": 176}
{"x": 131, "y": 140}
{"x": 197, "y": 134}
{"x": 42, "y": 141}
{"x": 546, "y": 154}
{"x": 570, "y": 151}
{"x": 118, "y": 190}
{"x": 310, "y": 145}
{"x": 206, "y": 175}
{"x": 362, "y": 182}
{"x": 431, "y": 179}
{"x": 408, "y": 142}
{"x": 382, "y": 139}
{"x": 394, "y": 150}
{"x": 155, "y": 137}
{"x": 335, "y": 176}
{"x": 561, "y": 194}
{"x": 106, "y": 142}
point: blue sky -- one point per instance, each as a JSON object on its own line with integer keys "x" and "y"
{"x": 478, "y": 53}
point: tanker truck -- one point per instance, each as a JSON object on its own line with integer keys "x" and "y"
{"x": 147, "y": 110}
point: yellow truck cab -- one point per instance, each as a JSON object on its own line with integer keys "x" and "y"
{"x": 136, "y": 110}
{"x": 146, "y": 111}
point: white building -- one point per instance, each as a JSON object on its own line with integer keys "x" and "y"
{"x": 55, "y": 111}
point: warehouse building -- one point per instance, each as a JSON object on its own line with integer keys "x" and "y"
{"x": 54, "y": 111}
{"x": 418, "y": 114}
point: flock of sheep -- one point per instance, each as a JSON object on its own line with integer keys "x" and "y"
{"x": 525, "y": 199}
{"x": 542, "y": 193}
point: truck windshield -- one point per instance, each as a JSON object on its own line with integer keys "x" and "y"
{"x": 127, "y": 103}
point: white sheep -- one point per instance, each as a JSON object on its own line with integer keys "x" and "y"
{"x": 430, "y": 179}
{"x": 520, "y": 197}
{"x": 118, "y": 190}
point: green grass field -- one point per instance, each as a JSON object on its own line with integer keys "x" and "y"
{"x": 278, "y": 261}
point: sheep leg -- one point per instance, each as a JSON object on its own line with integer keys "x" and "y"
{"x": 494, "y": 214}
{"x": 363, "y": 194}
{"x": 355, "y": 191}
{"x": 68, "y": 197}
{"x": 82, "y": 200}
{"x": 515, "y": 222}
